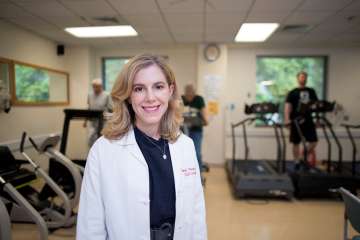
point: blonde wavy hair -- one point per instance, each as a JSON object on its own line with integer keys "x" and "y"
{"x": 123, "y": 116}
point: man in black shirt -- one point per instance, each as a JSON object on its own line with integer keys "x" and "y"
{"x": 196, "y": 104}
{"x": 294, "y": 108}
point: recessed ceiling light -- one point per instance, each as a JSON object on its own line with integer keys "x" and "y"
{"x": 105, "y": 31}
{"x": 255, "y": 32}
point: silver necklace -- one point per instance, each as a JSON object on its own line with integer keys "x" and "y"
{"x": 163, "y": 152}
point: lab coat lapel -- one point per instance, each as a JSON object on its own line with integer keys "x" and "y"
{"x": 131, "y": 145}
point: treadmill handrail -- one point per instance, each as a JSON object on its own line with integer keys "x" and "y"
{"x": 235, "y": 125}
{"x": 329, "y": 161}
{"x": 283, "y": 142}
{"x": 354, "y": 147}
{"x": 246, "y": 147}
{"x": 350, "y": 125}
{"x": 337, "y": 141}
{"x": 78, "y": 114}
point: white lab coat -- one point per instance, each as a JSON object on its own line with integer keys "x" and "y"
{"x": 114, "y": 202}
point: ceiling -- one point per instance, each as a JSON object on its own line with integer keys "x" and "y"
{"x": 335, "y": 22}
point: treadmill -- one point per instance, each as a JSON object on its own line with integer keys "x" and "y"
{"x": 57, "y": 171}
{"x": 311, "y": 181}
{"x": 78, "y": 114}
{"x": 353, "y": 166}
{"x": 256, "y": 178}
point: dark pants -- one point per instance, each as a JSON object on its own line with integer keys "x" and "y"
{"x": 197, "y": 136}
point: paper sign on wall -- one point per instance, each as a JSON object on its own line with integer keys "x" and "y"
{"x": 212, "y": 89}
{"x": 213, "y": 107}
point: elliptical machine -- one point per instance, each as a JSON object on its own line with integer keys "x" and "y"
{"x": 23, "y": 201}
{"x": 70, "y": 183}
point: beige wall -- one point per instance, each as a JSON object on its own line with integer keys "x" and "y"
{"x": 23, "y": 46}
{"x": 78, "y": 63}
{"x": 213, "y": 147}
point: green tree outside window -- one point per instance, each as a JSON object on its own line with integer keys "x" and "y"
{"x": 276, "y": 76}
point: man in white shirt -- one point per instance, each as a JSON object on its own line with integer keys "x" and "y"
{"x": 98, "y": 99}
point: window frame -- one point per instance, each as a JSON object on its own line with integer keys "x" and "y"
{"x": 17, "y": 102}
{"x": 12, "y": 84}
{"x": 103, "y": 60}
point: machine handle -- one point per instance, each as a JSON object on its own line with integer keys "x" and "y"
{"x": 34, "y": 144}
{"x": 23, "y": 137}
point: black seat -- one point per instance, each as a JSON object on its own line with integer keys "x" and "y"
{"x": 10, "y": 169}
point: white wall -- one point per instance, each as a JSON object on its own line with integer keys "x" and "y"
{"x": 21, "y": 45}
{"x": 18, "y": 44}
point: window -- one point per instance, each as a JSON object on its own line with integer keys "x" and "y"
{"x": 111, "y": 68}
{"x": 276, "y": 76}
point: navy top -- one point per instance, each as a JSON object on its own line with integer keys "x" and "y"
{"x": 162, "y": 184}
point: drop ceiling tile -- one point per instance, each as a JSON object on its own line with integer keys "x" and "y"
{"x": 33, "y": 23}
{"x": 134, "y": 7}
{"x": 94, "y": 8}
{"x": 225, "y": 19}
{"x": 152, "y": 30}
{"x": 181, "y": 6}
{"x": 355, "y": 5}
{"x": 219, "y": 38}
{"x": 266, "y": 17}
{"x": 324, "y": 5}
{"x": 308, "y": 17}
{"x": 145, "y": 20}
{"x": 9, "y": 10}
{"x": 348, "y": 37}
{"x": 280, "y": 37}
{"x": 216, "y": 6}
{"x": 46, "y": 9}
{"x": 188, "y": 20}
{"x": 222, "y": 31}
{"x": 275, "y": 5}
{"x": 64, "y": 22}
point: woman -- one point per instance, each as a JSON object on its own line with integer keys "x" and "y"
{"x": 142, "y": 178}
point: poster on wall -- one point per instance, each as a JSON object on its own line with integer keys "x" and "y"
{"x": 212, "y": 91}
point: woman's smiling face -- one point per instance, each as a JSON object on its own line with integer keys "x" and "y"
{"x": 150, "y": 96}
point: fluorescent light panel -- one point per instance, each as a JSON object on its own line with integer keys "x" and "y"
{"x": 255, "y": 32}
{"x": 105, "y": 31}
